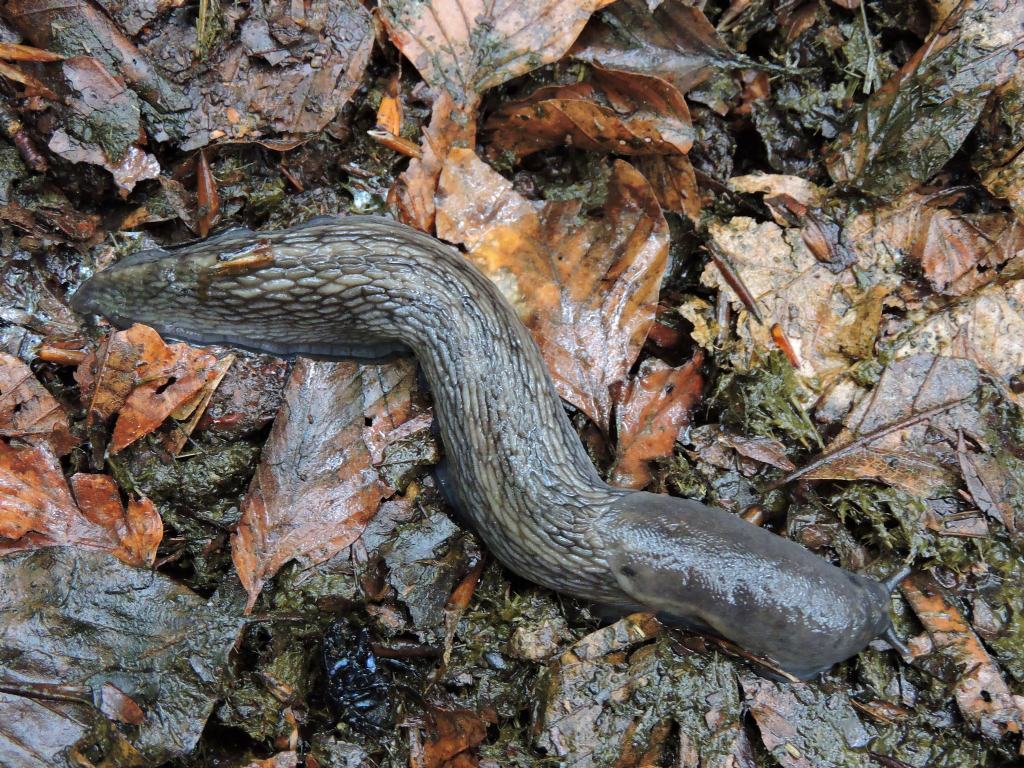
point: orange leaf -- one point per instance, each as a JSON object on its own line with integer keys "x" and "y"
{"x": 653, "y": 411}
{"x": 37, "y": 510}
{"x": 586, "y": 288}
{"x": 28, "y": 412}
{"x": 316, "y": 489}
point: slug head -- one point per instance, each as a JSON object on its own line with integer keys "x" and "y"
{"x": 708, "y": 569}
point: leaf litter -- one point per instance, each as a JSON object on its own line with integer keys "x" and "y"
{"x": 859, "y": 387}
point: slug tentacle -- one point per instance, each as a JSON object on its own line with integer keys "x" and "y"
{"x": 364, "y": 286}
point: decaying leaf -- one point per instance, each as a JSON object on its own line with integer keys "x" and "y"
{"x": 674, "y": 183}
{"x": 158, "y": 644}
{"x": 675, "y": 41}
{"x": 830, "y": 318}
{"x": 804, "y": 726}
{"x": 987, "y": 327}
{"x": 317, "y": 485}
{"x": 981, "y": 693}
{"x": 451, "y": 735}
{"x": 612, "y": 112}
{"x": 28, "y": 412}
{"x": 653, "y": 412}
{"x": 464, "y": 47}
{"x": 586, "y": 289}
{"x": 642, "y": 689}
{"x": 37, "y": 509}
{"x": 888, "y": 436}
{"x": 920, "y": 117}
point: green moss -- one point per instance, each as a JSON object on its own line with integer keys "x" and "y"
{"x": 763, "y": 401}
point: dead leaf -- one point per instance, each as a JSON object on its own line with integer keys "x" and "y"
{"x": 207, "y": 197}
{"x": 784, "y": 713}
{"x": 464, "y": 47}
{"x": 28, "y": 412}
{"x": 461, "y": 48}
{"x": 317, "y": 485}
{"x": 719, "y": 447}
{"x": 451, "y": 733}
{"x": 37, "y": 510}
{"x": 830, "y": 318}
{"x": 138, "y": 529}
{"x": 674, "y": 183}
{"x": 888, "y": 435}
{"x": 675, "y": 42}
{"x": 412, "y": 195}
{"x": 587, "y": 290}
{"x": 920, "y": 117}
{"x": 132, "y": 641}
{"x": 987, "y": 327}
{"x": 980, "y": 691}
{"x": 996, "y": 490}
{"x": 653, "y": 412}
{"x": 611, "y": 112}
{"x": 143, "y": 380}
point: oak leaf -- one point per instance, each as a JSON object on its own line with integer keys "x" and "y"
{"x": 28, "y": 412}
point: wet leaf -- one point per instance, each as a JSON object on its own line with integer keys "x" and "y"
{"x": 675, "y": 42}
{"x": 138, "y": 529}
{"x": 830, "y": 318}
{"x": 654, "y": 411}
{"x": 889, "y": 434}
{"x": 317, "y": 485}
{"x": 412, "y": 195}
{"x": 28, "y": 412}
{"x": 143, "y": 380}
{"x": 611, "y": 112}
{"x": 82, "y": 619}
{"x": 464, "y": 47}
{"x": 586, "y": 289}
{"x": 920, "y": 117}
{"x": 37, "y": 510}
{"x": 980, "y": 691}
{"x": 101, "y": 124}
{"x": 987, "y": 328}
{"x": 603, "y": 707}
{"x": 804, "y": 726}
{"x": 674, "y": 183}
{"x": 451, "y": 733}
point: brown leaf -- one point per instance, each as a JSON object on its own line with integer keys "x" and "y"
{"x": 412, "y": 195}
{"x": 653, "y": 412}
{"x": 674, "y": 183}
{"x": 453, "y": 733}
{"x": 143, "y": 380}
{"x": 317, "y": 485}
{"x": 612, "y": 112}
{"x": 30, "y": 413}
{"x": 587, "y": 289}
{"x": 886, "y": 437}
{"x": 781, "y": 712}
{"x": 206, "y": 196}
{"x": 675, "y": 42}
{"x": 464, "y": 47}
{"x": 993, "y": 487}
{"x": 37, "y": 510}
{"x": 138, "y": 529}
{"x": 980, "y": 691}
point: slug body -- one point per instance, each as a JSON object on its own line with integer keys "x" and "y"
{"x": 365, "y": 287}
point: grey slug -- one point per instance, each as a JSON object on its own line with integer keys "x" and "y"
{"x": 366, "y": 287}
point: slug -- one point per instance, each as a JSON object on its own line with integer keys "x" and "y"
{"x": 366, "y": 287}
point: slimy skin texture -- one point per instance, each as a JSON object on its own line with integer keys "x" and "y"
{"x": 366, "y": 287}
